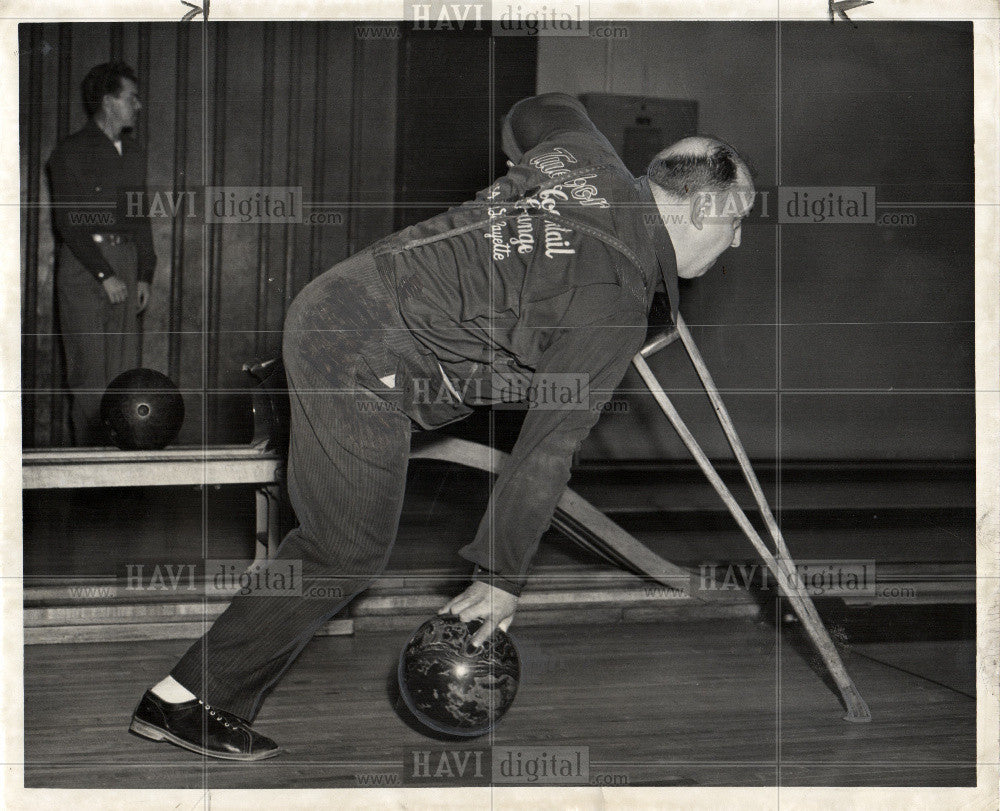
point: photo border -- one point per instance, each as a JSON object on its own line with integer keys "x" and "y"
{"x": 986, "y": 35}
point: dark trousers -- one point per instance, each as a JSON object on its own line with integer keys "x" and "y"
{"x": 100, "y": 339}
{"x": 346, "y": 477}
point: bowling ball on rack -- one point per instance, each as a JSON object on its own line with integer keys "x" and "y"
{"x": 142, "y": 409}
{"x": 451, "y": 686}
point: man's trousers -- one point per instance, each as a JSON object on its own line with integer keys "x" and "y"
{"x": 347, "y": 466}
{"x": 100, "y": 339}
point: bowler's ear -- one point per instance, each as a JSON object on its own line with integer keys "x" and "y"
{"x": 700, "y": 208}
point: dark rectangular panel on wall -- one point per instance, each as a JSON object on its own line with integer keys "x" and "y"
{"x": 371, "y": 152}
{"x": 640, "y": 126}
{"x": 454, "y": 89}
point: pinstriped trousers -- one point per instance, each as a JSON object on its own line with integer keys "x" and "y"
{"x": 347, "y": 466}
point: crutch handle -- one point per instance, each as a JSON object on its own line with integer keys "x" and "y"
{"x": 660, "y": 340}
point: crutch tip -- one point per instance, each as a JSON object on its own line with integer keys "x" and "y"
{"x": 857, "y": 709}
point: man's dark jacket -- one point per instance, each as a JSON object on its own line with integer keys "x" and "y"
{"x": 546, "y": 278}
{"x": 97, "y": 191}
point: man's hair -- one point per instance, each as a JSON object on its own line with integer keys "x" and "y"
{"x": 695, "y": 165}
{"x": 103, "y": 80}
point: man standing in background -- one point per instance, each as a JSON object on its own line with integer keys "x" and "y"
{"x": 106, "y": 260}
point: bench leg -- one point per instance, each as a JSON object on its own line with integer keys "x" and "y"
{"x": 267, "y": 522}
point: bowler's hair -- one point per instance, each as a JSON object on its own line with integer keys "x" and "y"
{"x": 103, "y": 80}
{"x": 688, "y": 169}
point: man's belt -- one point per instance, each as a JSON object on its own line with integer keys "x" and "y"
{"x": 112, "y": 239}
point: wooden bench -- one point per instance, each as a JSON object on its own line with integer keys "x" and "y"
{"x": 58, "y": 468}
{"x": 56, "y": 613}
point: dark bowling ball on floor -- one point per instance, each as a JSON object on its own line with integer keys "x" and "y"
{"x": 452, "y": 687}
{"x": 142, "y": 409}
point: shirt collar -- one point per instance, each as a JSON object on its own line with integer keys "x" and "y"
{"x": 95, "y": 131}
{"x": 662, "y": 245}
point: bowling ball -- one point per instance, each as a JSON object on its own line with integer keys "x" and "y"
{"x": 142, "y": 410}
{"x": 451, "y": 686}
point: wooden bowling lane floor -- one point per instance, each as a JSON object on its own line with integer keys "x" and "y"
{"x": 695, "y": 703}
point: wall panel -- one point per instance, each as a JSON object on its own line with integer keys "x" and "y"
{"x": 857, "y": 333}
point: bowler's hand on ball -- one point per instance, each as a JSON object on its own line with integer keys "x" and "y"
{"x": 494, "y": 606}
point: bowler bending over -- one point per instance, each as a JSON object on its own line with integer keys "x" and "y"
{"x": 550, "y": 271}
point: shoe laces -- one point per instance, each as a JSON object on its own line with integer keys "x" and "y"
{"x": 227, "y": 719}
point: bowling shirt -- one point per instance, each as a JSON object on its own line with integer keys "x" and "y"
{"x": 94, "y": 191}
{"x": 538, "y": 291}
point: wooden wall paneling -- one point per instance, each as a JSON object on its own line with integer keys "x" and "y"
{"x": 889, "y": 311}
{"x": 43, "y": 341}
{"x": 640, "y": 126}
{"x": 192, "y": 273}
{"x": 145, "y": 81}
{"x": 317, "y": 189}
{"x": 306, "y": 88}
{"x": 220, "y": 292}
{"x": 267, "y": 89}
{"x": 515, "y": 74}
{"x": 293, "y": 116}
{"x": 238, "y": 275}
{"x": 454, "y": 92}
{"x": 178, "y": 185}
{"x": 156, "y": 47}
{"x": 337, "y": 147}
{"x": 279, "y": 157}
{"x": 30, "y": 43}
{"x": 373, "y": 169}
{"x": 67, "y": 89}
{"x": 354, "y": 179}
{"x": 76, "y": 49}
{"x": 218, "y": 45}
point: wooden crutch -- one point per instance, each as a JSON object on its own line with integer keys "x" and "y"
{"x": 781, "y": 565}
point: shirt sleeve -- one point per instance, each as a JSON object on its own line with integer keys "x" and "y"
{"x": 535, "y": 475}
{"x": 67, "y": 189}
{"x": 551, "y": 118}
